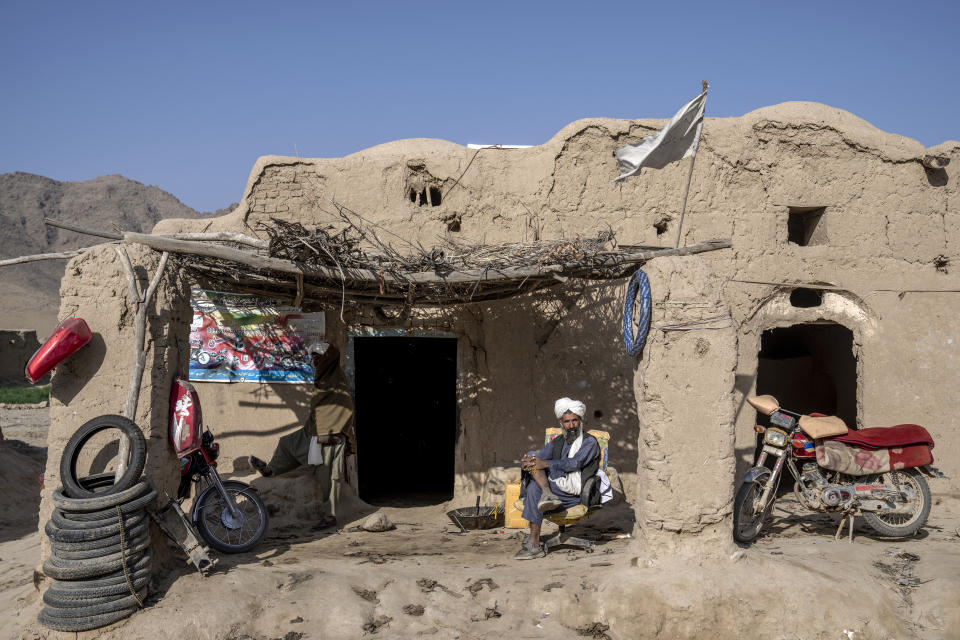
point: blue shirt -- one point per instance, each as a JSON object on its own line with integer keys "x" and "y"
{"x": 589, "y": 451}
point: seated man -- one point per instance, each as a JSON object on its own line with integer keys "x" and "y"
{"x": 556, "y": 471}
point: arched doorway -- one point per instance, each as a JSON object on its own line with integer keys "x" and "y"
{"x": 810, "y": 368}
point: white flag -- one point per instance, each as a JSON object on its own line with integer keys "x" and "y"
{"x": 678, "y": 140}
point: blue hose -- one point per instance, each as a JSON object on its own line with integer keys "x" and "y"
{"x": 634, "y": 345}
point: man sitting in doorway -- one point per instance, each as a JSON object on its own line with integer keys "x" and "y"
{"x": 327, "y": 437}
{"x": 556, "y": 471}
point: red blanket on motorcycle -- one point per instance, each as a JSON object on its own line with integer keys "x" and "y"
{"x": 876, "y": 450}
{"x": 902, "y": 435}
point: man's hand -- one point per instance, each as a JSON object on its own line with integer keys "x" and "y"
{"x": 526, "y": 462}
{"x": 531, "y": 463}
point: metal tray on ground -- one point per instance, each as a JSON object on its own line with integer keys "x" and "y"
{"x": 477, "y": 518}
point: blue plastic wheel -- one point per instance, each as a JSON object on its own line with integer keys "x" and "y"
{"x": 634, "y": 344}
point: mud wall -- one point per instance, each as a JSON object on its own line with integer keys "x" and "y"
{"x": 514, "y": 359}
{"x": 884, "y": 252}
{"x": 16, "y": 349}
{"x": 94, "y": 381}
{"x": 684, "y": 384}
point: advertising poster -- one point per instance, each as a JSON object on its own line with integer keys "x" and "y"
{"x": 236, "y": 337}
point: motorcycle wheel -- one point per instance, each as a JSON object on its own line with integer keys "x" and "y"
{"x": 901, "y": 524}
{"x": 747, "y": 523}
{"x": 222, "y": 531}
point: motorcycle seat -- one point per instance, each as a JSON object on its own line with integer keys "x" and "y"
{"x": 903, "y": 435}
{"x": 822, "y": 426}
{"x": 764, "y": 404}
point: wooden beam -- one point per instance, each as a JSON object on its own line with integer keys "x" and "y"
{"x": 222, "y": 236}
{"x": 173, "y": 245}
{"x": 69, "y": 227}
{"x": 206, "y": 236}
{"x": 41, "y": 256}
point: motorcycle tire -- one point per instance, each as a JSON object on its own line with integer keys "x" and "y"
{"x": 130, "y": 533}
{"x": 129, "y": 542}
{"x": 746, "y": 524}
{"x": 63, "y": 520}
{"x": 62, "y": 597}
{"x": 142, "y": 567}
{"x": 211, "y": 521}
{"x": 110, "y": 514}
{"x": 70, "y": 608}
{"x": 93, "y": 570}
{"x": 97, "y": 481}
{"x": 71, "y": 453}
{"x": 895, "y": 525}
{"x": 82, "y": 623}
{"x": 133, "y": 547}
{"x": 65, "y": 534}
{"x": 99, "y": 501}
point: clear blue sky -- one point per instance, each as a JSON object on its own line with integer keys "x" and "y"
{"x": 186, "y": 96}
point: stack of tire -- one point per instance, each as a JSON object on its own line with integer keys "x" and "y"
{"x": 99, "y": 535}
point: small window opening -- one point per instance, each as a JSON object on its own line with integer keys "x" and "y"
{"x": 806, "y": 298}
{"x": 804, "y": 228}
{"x": 597, "y": 413}
{"x": 660, "y": 226}
{"x": 425, "y": 196}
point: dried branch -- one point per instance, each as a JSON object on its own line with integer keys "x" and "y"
{"x": 131, "y": 281}
{"x": 222, "y": 236}
{"x": 69, "y": 227}
{"x": 210, "y": 236}
{"x": 63, "y": 255}
{"x": 139, "y": 337}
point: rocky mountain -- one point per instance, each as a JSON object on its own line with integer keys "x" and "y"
{"x": 29, "y": 294}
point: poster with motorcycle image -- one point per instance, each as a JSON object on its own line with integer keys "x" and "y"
{"x": 236, "y": 337}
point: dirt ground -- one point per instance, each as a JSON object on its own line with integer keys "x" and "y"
{"x": 425, "y": 579}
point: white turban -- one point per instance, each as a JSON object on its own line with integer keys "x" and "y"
{"x": 563, "y": 405}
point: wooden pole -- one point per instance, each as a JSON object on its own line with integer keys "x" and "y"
{"x": 140, "y": 304}
{"x": 139, "y": 353}
{"x": 686, "y": 192}
{"x": 69, "y": 227}
{"x": 133, "y": 293}
{"x": 41, "y": 256}
{"x": 207, "y": 236}
{"x": 683, "y": 207}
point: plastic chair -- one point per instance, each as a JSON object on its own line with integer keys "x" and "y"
{"x": 589, "y": 499}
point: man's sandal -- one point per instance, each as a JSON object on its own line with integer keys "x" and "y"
{"x": 260, "y": 466}
{"x": 528, "y": 552}
{"x": 549, "y": 502}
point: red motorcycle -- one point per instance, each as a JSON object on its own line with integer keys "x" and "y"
{"x": 229, "y": 515}
{"x": 876, "y": 473}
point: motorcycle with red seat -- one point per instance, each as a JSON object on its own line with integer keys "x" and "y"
{"x": 877, "y": 473}
{"x": 229, "y": 514}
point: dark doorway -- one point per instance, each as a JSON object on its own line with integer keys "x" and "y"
{"x": 406, "y": 403}
{"x": 810, "y": 368}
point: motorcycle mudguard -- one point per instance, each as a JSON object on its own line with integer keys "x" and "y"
{"x": 227, "y": 484}
{"x": 67, "y": 339}
{"x": 932, "y": 472}
{"x": 755, "y": 474}
{"x": 183, "y": 491}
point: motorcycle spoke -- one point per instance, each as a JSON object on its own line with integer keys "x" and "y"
{"x": 901, "y": 480}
